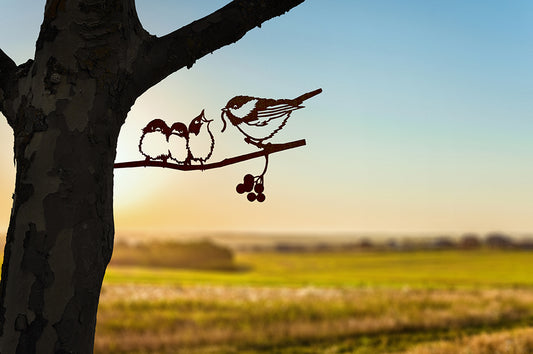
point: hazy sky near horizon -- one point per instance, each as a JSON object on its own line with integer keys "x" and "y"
{"x": 425, "y": 123}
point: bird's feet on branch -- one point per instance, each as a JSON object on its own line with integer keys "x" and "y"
{"x": 253, "y": 142}
{"x": 258, "y": 144}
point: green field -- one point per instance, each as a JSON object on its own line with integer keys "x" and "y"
{"x": 425, "y": 269}
{"x": 338, "y": 302}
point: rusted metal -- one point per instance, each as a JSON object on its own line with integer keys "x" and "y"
{"x": 188, "y": 148}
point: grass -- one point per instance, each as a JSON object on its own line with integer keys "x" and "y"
{"x": 518, "y": 341}
{"x": 415, "y": 302}
{"x": 192, "y": 255}
{"x": 267, "y": 319}
{"x": 423, "y": 269}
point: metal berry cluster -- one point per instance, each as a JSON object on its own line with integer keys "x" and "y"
{"x": 255, "y": 184}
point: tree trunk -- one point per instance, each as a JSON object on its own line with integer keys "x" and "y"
{"x": 60, "y": 237}
{"x": 66, "y": 107}
{"x": 66, "y": 110}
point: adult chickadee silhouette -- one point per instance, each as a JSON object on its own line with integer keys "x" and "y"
{"x": 178, "y": 143}
{"x": 154, "y": 141}
{"x": 201, "y": 141}
{"x": 259, "y": 119}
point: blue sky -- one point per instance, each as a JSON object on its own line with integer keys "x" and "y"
{"x": 424, "y": 125}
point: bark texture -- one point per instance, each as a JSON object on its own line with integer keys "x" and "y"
{"x": 66, "y": 107}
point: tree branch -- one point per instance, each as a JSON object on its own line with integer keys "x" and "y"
{"x": 7, "y": 68}
{"x": 267, "y": 150}
{"x": 7, "y": 64}
{"x": 163, "y": 56}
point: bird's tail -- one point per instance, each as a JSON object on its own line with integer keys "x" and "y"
{"x": 308, "y": 95}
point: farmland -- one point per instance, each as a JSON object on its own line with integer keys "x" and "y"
{"x": 332, "y": 302}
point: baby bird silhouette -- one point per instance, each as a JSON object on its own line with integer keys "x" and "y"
{"x": 201, "y": 141}
{"x": 193, "y": 143}
{"x": 178, "y": 143}
{"x": 259, "y": 119}
{"x": 154, "y": 141}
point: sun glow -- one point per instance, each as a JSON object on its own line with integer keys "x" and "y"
{"x": 424, "y": 123}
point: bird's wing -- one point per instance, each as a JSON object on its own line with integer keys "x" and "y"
{"x": 281, "y": 110}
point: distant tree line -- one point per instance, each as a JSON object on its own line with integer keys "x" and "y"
{"x": 468, "y": 241}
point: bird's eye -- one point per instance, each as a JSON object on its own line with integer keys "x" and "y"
{"x": 235, "y": 106}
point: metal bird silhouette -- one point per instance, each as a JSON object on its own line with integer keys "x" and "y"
{"x": 259, "y": 119}
{"x": 153, "y": 144}
{"x": 178, "y": 143}
{"x": 193, "y": 143}
{"x": 201, "y": 141}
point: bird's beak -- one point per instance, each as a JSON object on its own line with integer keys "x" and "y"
{"x": 204, "y": 119}
{"x": 224, "y": 110}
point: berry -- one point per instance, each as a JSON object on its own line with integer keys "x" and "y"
{"x": 248, "y": 179}
{"x": 251, "y": 197}
{"x": 248, "y": 187}
{"x": 259, "y": 188}
{"x": 261, "y": 197}
{"x": 240, "y": 188}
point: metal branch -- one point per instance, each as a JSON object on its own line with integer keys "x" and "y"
{"x": 267, "y": 150}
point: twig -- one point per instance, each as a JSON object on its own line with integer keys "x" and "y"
{"x": 267, "y": 150}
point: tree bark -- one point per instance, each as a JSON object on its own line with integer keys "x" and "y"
{"x": 66, "y": 107}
